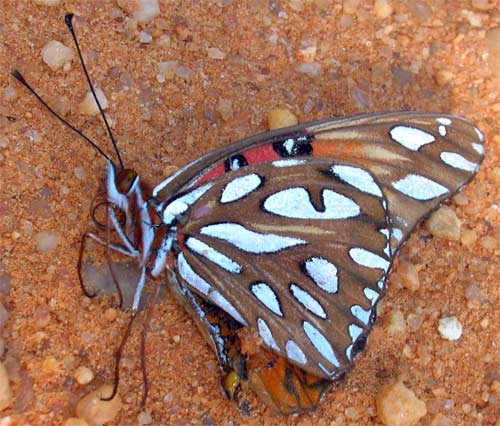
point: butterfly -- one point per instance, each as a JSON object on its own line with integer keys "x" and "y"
{"x": 291, "y": 233}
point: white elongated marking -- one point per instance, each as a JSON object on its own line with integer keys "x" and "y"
{"x": 266, "y": 295}
{"x": 240, "y": 187}
{"x": 288, "y": 163}
{"x": 181, "y": 204}
{"x": 309, "y": 302}
{"x": 444, "y": 121}
{"x": 321, "y": 343}
{"x": 411, "y": 137}
{"x": 384, "y": 232}
{"x": 191, "y": 277}
{"x": 367, "y": 258}
{"x": 294, "y": 353}
{"x": 348, "y": 352}
{"x": 224, "y": 304}
{"x": 213, "y": 255}
{"x": 479, "y": 148}
{"x": 266, "y": 335}
{"x": 479, "y": 134}
{"x": 442, "y": 130}
{"x": 295, "y": 203}
{"x": 250, "y": 241}
{"x": 457, "y": 161}
{"x": 358, "y": 178}
{"x": 419, "y": 187}
{"x": 371, "y": 295}
{"x": 361, "y": 314}
{"x": 381, "y": 283}
{"x": 162, "y": 255}
{"x": 354, "y": 332}
{"x": 323, "y": 273}
{"x": 289, "y": 144}
{"x": 325, "y": 370}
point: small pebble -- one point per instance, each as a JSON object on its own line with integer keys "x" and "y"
{"x": 396, "y": 322}
{"x": 5, "y": 390}
{"x": 443, "y": 77}
{"x": 350, "y": 6}
{"x": 145, "y": 37}
{"x": 83, "y": 375}
{"x": 312, "y": 69}
{"x": 144, "y": 418}
{"x": 444, "y": 223}
{"x": 225, "y": 109}
{"x": 96, "y": 411}
{"x": 473, "y": 18}
{"x": 184, "y": 73}
{"x": 89, "y": 106}
{"x": 281, "y": 117}
{"x": 111, "y": 314}
{"x": 441, "y": 420}
{"x": 56, "y": 55}
{"x": 75, "y": 421}
{"x": 383, "y": 8}
{"x": 48, "y": 2}
{"x": 450, "y": 328}
{"x": 47, "y": 240}
{"x": 398, "y": 406}
{"x": 407, "y": 276}
{"x": 215, "y": 53}
{"x": 143, "y": 11}
{"x": 4, "y": 315}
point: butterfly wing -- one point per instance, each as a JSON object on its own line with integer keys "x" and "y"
{"x": 289, "y": 231}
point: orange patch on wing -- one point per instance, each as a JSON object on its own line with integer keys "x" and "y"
{"x": 283, "y": 386}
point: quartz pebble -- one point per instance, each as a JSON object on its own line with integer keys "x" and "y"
{"x": 47, "y": 2}
{"x": 47, "y": 240}
{"x": 145, "y": 38}
{"x": 143, "y": 11}
{"x": 396, "y": 322}
{"x": 444, "y": 223}
{"x": 398, "y": 406}
{"x": 83, "y": 375}
{"x": 225, "y": 108}
{"x": 5, "y": 390}
{"x": 312, "y": 69}
{"x": 450, "y": 328}
{"x": 56, "y": 55}
{"x": 215, "y": 53}
{"x": 383, "y": 8}
{"x": 96, "y": 411}
{"x": 89, "y": 106}
{"x": 281, "y": 117}
{"x": 407, "y": 276}
{"x": 75, "y": 421}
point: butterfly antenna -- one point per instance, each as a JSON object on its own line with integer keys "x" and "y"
{"x": 68, "y": 19}
{"x": 19, "y": 77}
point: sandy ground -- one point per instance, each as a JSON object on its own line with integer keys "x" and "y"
{"x": 430, "y": 56}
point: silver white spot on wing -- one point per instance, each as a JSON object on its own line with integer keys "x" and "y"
{"x": 181, "y": 204}
{"x": 361, "y": 314}
{"x": 479, "y": 134}
{"x": 445, "y": 121}
{"x": 397, "y": 234}
{"x": 323, "y": 273}
{"x": 367, "y": 258}
{"x": 381, "y": 283}
{"x": 419, "y": 187}
{"x": 457, "y": 161}
{"x": 358, "y": 178}
{"x": 289, "y": 144}
{"x": 266, "y": 334}
{"x": 240, "y": 187}
{"x": 442, "y": 130}
{"x": 288, "y": 163}
{"x": 224, "y": 304}
{"x": 213, "y": 255}
{"x": 411, "y": 137}
{"x": 294, "y": 353}
{"x": 296, "y": 204}
{"x": 321, "y": 343}
{"x": 309, "y": 302}
{"x": 250, "y": 241}
{"x": 192, "y": 278}
{"x": 371, "y": 295}
{"x": 348, "y": 352}
{"x": 479, "y": 148}
{"x": 266, "y": 295}
{"x": 354, "y": 332}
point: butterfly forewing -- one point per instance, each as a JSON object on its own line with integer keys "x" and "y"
{"x": 293, "y": 232}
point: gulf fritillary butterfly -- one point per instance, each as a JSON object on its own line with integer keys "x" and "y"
{"x": 292, "y": 232}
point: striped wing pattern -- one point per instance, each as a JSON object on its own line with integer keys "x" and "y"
{"x": 294, "y": 232}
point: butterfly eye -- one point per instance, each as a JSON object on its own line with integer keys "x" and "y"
{"x": 126, "y": 181}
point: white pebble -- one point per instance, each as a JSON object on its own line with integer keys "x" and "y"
{"x": 56, "y": 55}
{"x": 143, "y": 11}
{"x": 89, "y": 106}
{"x": 47, "y": 240}
{"x": 215, "y": 53}
{"x": 83, "y": 375}
{"x": 145, "y": 37}
{"x": 97, "y": 411}
{"x": 450, "y": 328}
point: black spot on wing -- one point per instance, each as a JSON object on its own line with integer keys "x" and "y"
{"x": 235, "y": 162}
